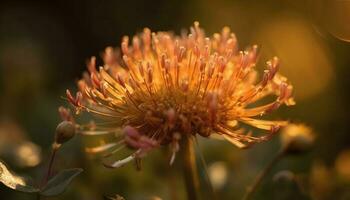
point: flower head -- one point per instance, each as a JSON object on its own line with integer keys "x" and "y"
{"x": 163, "y": 87}
{"x": 297, "y": 138}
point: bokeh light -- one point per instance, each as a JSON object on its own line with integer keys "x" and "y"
{"x": 342, "y": 165}
{"x": 306, "y": 59}
{"x": 218, "y": 174}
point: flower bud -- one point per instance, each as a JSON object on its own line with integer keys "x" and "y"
{"x": 286, "y": 184}
{"x": 64, "y": 132}
{"x": 284, "y": 176}
{"x": 297, "y": 138}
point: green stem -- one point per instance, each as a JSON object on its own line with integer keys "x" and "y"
{"x": 251, "y": 189}
{"x": 190, "y": 168}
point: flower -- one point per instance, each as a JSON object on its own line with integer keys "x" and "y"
{"x": 297, "y": 138}
{"x": 163, "y": 87}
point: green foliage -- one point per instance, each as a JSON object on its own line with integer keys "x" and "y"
{"x": 60, "y": 182}
{"x": 55, "y": 186}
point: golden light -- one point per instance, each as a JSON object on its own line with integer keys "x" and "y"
{"x": 305, "y": 59}
{"x": 297, "y": 138}
{"x": 320, "y": 180}
{"x": 218, "y": 174}
{"x": 342, "y": 165}
{"x": 28, "y": 154}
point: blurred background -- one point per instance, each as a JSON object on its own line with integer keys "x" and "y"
{"x": 44, "y": 46}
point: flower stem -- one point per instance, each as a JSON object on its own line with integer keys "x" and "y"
{"x": 251, "y": 189}
{"x": 52, "y": 159}
{"x": 190, "y": 168}
{"x": 55, "y": 147}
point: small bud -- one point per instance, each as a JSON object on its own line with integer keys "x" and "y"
{"x": 124, "y": 45}
{"x": 91, "y": 65}
{"x": 65, "y": 114}
{"x": 64, "y": 132}
{"x": 297, "y": 138}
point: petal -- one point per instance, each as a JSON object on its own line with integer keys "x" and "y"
{"x": 263, "y": 124}
{"x": 235, "y": 141}
{"x": 100, "y": 148}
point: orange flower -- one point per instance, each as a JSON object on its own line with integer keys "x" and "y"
{"x": 163, "y": 87}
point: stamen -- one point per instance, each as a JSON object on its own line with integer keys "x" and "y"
{"x": 124, "y": 45}
{"x": 162, "y": 85}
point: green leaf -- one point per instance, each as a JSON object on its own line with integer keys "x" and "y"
{"x": 14, "y": 181}
{"x": 60, "y": 182}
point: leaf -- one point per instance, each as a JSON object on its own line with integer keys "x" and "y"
{"x": 15, "y": 182}
{"x": 59, "y": 183}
